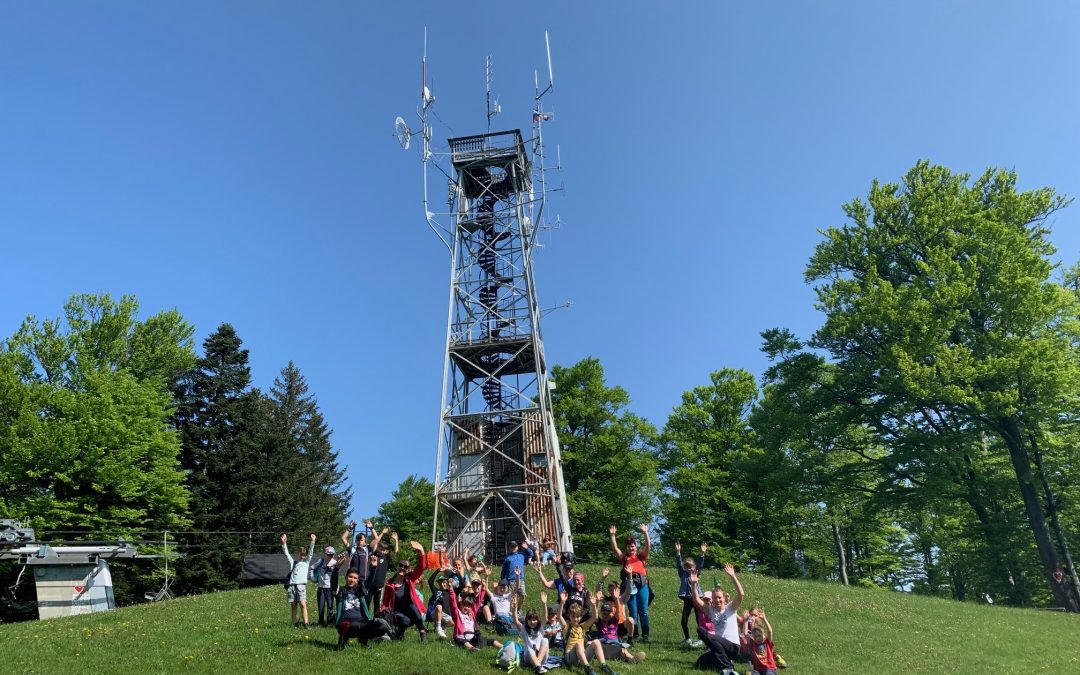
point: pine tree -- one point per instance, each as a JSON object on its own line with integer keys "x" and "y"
{"x": 222, "y": 423}
{"x": 302, "y": 444}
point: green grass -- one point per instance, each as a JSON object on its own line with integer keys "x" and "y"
{"x": 820, "y": 628}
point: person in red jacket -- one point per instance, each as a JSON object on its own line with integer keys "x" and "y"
{"x": 400, "y": 601}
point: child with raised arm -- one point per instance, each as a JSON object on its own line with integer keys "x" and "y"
{"x": 617, "y": 595}
{"x": 719, "y": 626}
{"x": 757, "y": 640}
{"x": 687, "y": 590}
{"x": 296, "y": 586}
{"x": 400, "y": 599}
{"x": 607, "y": 624}
{"x": 353, "y": 619}
{"x": 577, "y": 648}
{"x": 322, "y": 573}
{"x": 438, "y": 606}
{"x": 463, "y": 611}
{"x": 536, "y": 646}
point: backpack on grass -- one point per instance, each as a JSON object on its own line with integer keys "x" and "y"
{"x": 509, "y": 656}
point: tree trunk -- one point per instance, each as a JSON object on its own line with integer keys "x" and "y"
{"x": 1021, "y": 461}
{"x": 1019, "y": 594}
{"x": 1072, "y": 582}
{"x": 840, "y": 554}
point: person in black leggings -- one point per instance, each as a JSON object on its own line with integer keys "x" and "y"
{"x": 400, "y": 601}
{"x": 687, "y": 589}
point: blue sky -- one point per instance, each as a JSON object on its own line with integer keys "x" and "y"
{"x": 236, "y": 161}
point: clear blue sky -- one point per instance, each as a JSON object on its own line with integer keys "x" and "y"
{"x": 236, "y": 161}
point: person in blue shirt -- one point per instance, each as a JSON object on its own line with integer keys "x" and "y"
{"x": 516, "y": 560}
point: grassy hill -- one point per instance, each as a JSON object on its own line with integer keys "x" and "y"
{"x": 820, "y": 628}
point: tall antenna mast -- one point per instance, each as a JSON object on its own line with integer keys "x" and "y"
{"x": 539, "y": 117}
{"x": 493, "y": 109}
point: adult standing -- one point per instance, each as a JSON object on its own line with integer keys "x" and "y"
{"x": 633, "y": 564}
{"x": 517, "y": 559}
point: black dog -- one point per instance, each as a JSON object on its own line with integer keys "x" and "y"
{"x": 363, "y": 630}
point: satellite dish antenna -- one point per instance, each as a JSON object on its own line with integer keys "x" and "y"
{"x": 403, "y": 133}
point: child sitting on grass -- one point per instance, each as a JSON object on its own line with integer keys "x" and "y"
{"x": 553, "y": 627}
{"x": 617, "y": 596}
{"x": 501, "y": 600}
{"x": 537, "y": 645}
{"x": 607, "y": 624}
{"x": 577, "y": 651}
{"x": 757, "y": 640}
{"x": 466, "y": 632}
{"x": 438, "y": 605}
{"x": 754, "y": 616}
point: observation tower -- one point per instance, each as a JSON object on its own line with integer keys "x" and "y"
{"x": 498, "y": 476}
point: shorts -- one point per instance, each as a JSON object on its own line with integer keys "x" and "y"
{"x": 571, "y": 656}
{"x": 296, "y": 593}
{"x": 612, "y": 650}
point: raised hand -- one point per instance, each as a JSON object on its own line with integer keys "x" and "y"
{"x": 368, "y": 525}
{"x": 415, "y": 544}
{"x": 644, "y": 528}
{"x": 729, "y": 570}
{"x": 704, "y": 547}
{"x": 563, "y": 596}
{"x": 517, "y": 572}
{"x": 694, "y": 577}
{"x": 284, "y": 538}
{"x": 613, "y": 530}
{"x": 393, "y": 535}
{"x": 678, "y": 547}
{"x": 312, "y": 536}
{"x": 628, "y": 569}
{"x": 605, "y": 573}
{"x": 543, "y": 598}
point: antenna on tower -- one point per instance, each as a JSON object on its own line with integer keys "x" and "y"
{"x": 404, "y": 136}
{"x": 538, "y": 118}
{"x": 493, "y": 109}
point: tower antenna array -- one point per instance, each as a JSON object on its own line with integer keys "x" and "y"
{"x": 498, "y": 474}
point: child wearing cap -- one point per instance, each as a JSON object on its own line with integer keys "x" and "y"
{"x": 322, "y": 573}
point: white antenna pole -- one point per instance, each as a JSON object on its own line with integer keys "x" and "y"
{"x": 538, "y": 122}
{"x": 551, "y": 77}
{"x": 427, "y": 99}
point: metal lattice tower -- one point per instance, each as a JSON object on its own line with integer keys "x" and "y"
{"x": 498, "y": 473}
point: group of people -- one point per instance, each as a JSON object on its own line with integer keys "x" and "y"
{"x": 590, "y": 628}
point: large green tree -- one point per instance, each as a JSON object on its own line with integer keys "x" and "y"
{"x": 84, "y": 401}
{"x": 608, "y": 460}
{"x": 944, "y": 323}
{"x": 85, "y": 443}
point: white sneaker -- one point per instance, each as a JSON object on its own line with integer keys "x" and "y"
{"x": 439, "y": 632}
{"x": 696, "y": 644}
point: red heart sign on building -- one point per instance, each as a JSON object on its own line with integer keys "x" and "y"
{"x": 79, "y": 589}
